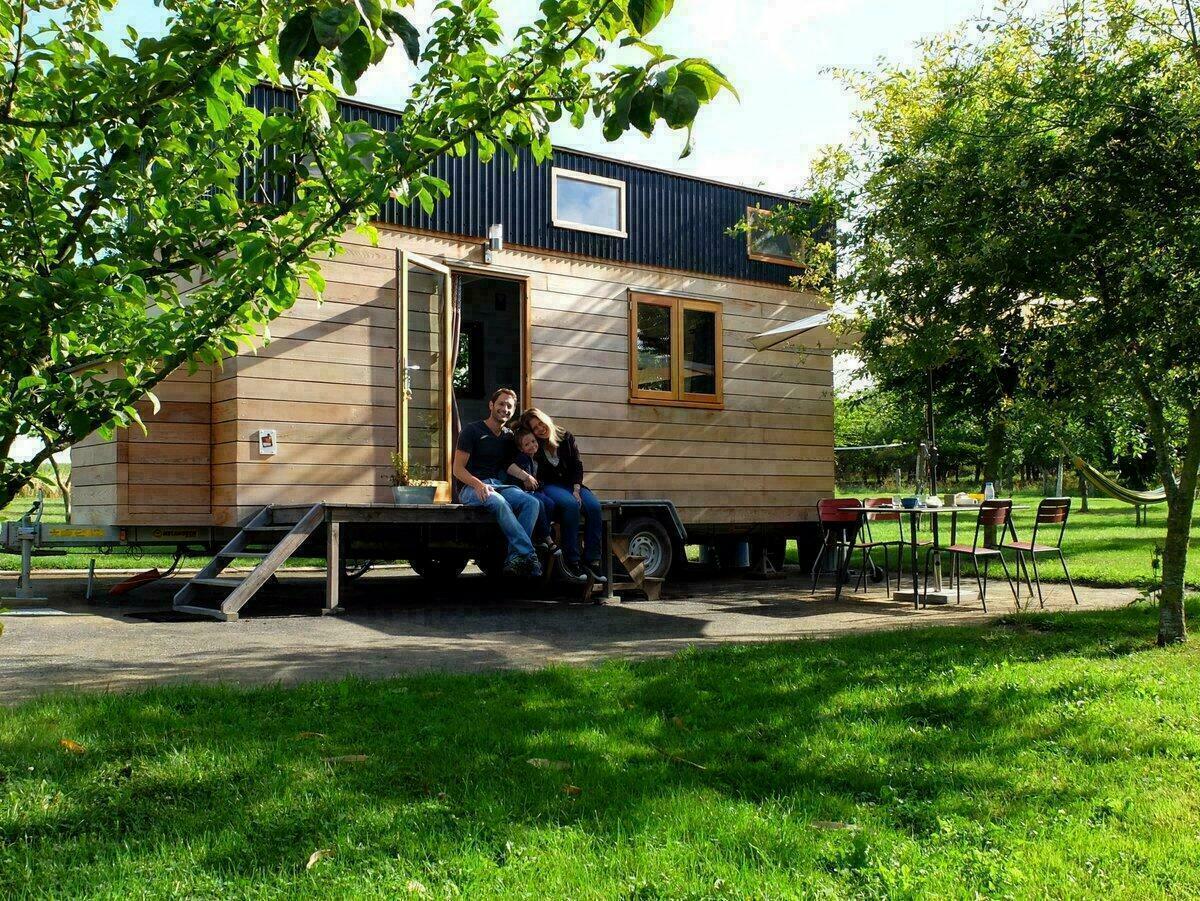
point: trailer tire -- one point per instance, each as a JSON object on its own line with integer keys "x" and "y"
{"x": 445, "y": 566}
{"x": 648, "y": 538}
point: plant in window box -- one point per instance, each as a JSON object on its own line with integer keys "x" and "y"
{"x": 411, "y": 482}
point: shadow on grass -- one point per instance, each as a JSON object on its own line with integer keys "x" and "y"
{"x": 914, "y": 727}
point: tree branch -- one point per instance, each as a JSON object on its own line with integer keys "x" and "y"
{"x": 18, "y": 53}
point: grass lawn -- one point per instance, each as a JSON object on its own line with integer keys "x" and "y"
{"x": 1044, "y": 757}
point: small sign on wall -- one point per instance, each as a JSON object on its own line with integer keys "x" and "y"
{"x": 268, "y": 442}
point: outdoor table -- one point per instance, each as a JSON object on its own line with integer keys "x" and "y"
{"x": 914, "y": 513}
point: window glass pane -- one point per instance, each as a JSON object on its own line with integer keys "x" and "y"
{"x": 588, "y": 203}
{"x": 653, "y": 347}
{"x": 699, "y": 352}
{"x": 764, "y": 242}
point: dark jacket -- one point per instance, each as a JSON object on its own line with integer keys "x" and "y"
{"x": 568, "y": 472}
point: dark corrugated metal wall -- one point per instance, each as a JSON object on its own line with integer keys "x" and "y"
{"x": 673, "y": 221}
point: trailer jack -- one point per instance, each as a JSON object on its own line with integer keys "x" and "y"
{"x": 26, "y": 531}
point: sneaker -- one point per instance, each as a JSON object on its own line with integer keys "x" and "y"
{"x": 532, "y": 566}
{"x": 571, "y": 574}
{"x": 593, "y": 570}
{"x": 513, "y": 565}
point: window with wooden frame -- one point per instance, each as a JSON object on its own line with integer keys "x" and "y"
{"x": 675, "y": 351}
{"x": 767, "y": 246}
{"x": 586, "y": 202}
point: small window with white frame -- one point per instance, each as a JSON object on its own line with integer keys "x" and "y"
{"x": 769, "y": 246}
{"x": 587, "y": 202}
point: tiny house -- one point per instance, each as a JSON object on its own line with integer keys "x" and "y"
{"x": 617, "y": 301}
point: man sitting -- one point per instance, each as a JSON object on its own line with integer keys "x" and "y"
{"x": 485, "y": 450}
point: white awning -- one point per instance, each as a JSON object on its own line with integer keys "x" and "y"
{"x": 814, "y": 330}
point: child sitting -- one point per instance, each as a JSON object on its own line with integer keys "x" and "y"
{"x": 523, "y": 472}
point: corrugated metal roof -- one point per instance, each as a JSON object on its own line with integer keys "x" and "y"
{"x": 673, "y": 220}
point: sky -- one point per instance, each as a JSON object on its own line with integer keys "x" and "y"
{"x": 777, "y": 53}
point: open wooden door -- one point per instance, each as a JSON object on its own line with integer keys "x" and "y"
{"x": 424, "y": 382}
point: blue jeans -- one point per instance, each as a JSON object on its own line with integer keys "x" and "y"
{"x": 541, "y": 531}
{"x": 569, "y": 512}
{"x": 516, "y": 512}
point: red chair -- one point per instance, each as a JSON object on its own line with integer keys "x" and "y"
{"x": 991, "y": 513}
{"x": 871, "y": 542}
{"x": 839, "y": 518}
{"x": 1052, "y": 511}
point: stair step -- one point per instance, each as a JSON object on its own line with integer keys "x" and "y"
{"x": 233, "y": 554}
{"x": 271, "y": 528}
{"x": 206, "y": 611}
{"x": 218, "y": 583}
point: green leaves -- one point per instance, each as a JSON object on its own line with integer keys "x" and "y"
{"x": 333, "y": 25}
{"x": 357, "y": 33}
{"x": 398, "y": 25}
{"x": 645, "y": 14}
{"x": 297, "y": 42}
{"x": 354, "y": 59}
{"x": 674, "y": 93}
{"x": 679, "y": 107}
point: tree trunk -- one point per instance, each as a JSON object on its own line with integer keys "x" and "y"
{"x": 1083, "y": 494}
{"x": 1181, "y": 501}
{"x": 1172, "y": 627}
{"x": 993, "y": 453}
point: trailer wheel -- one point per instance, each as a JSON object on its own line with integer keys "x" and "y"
{"x": 445, "y": 566}
{"x": 648, "y": 539}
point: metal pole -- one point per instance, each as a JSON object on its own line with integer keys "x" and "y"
{"x": 932, "y": 434}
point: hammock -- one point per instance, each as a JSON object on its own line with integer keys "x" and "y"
{"x": 1115, "y": 490}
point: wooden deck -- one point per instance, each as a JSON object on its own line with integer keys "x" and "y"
{"x": 395, "y": 528}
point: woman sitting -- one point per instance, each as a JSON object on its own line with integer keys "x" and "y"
{"x": 560, "y": 471}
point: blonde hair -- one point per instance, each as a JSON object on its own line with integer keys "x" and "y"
{"x": 556, "y": 434}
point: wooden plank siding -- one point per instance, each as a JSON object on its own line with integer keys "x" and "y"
{"x": 161, "y": 475}
{"x": 327, "y": 383}
{"x": 766, "y": 457}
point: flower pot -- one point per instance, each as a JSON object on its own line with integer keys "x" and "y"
{"x": 413, "y": 494}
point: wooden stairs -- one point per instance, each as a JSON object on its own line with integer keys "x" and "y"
{"x": 211, "y": 594}
{"x": 635, "y": 569}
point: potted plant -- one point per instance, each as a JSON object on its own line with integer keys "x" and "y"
{"x": 409, "y": 482}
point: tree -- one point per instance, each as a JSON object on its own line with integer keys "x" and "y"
{"x": 130, "y": 244}
{"x": 1031, "y": 187}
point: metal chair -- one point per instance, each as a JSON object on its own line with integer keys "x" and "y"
{"x": 991, "y": 513}
{"x": 839, "y": 519}
{"x": 872, "y": 542}
{"x": 1052, "y": 511}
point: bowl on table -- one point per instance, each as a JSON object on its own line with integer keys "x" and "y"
{"x": 909, "y": 503}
